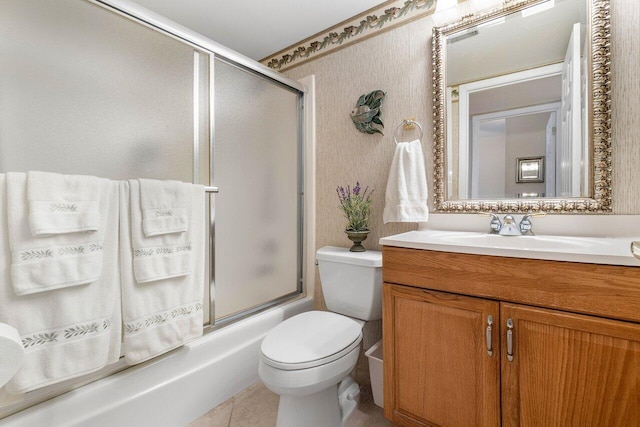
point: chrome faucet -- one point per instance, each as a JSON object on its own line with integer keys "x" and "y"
{"x": 508, "y": 225}
{"x": 525, "y": 225}
{"x": 495, "y": 225}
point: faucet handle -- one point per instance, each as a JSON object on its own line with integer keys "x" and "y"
{"x": 534, "y": 214}
{"x": 525, "y": 223}
{"x": 495, "y": 225}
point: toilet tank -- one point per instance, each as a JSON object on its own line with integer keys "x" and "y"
{"x": 351, "y": 281}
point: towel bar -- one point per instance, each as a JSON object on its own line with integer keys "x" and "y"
{"x": 211, "y": 189}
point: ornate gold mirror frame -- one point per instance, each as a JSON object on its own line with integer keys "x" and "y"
{"x": 599, "y": 86}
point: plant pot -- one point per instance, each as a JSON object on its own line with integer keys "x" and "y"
{"x": 357, "y": 237}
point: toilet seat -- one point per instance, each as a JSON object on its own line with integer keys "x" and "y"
{"x": 310, "y": 339}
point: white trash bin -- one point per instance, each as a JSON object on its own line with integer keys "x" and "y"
{"x": 374, "y": 354}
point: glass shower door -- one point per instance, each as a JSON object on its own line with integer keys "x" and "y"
{"x": 257, "y": 166}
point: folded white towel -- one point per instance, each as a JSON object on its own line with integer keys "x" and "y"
{"x": 406, "y": 195}
{"x": 163, "y": 205}
{"x": 45, "y": 263}
{"x": 71, "y": 331}
{"x": 165, "y": 314}
{"x": 161, "y": 256}
{"x": 61, "y": 204}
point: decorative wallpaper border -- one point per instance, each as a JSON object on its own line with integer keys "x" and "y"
{"x": 387, "y": 15}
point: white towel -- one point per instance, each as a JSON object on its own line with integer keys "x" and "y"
{"x": 165, "y": 314}
{"x": 406, "y": 195}
{"x": 45, "y": 263}
{"x": 163, "y": 205}
{"x": 67, "y": 332}
{"x": 162, "y": 256}
{"x": 61, "y": 204}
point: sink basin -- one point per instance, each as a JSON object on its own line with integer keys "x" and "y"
{"x": 520, "y": 242}
{"x": 597, "y": 250}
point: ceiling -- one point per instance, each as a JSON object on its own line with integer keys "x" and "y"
{"x": 258, "y": 28}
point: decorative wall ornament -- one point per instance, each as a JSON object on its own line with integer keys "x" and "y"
{"x": 367, "y": 112}
{"x": 391, "y": 14}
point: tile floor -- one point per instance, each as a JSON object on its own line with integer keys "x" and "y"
{"x": 257, "y": 406}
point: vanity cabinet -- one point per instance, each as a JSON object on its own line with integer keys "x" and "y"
{"x": 487, "y": 341}
{"x": 569, "y": 370}
{"x": 437, "y": 371}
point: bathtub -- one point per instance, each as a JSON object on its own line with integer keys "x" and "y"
{"x": 172, "y": 390}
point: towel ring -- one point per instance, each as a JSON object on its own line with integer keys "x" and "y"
{"x": 407, "y": 124}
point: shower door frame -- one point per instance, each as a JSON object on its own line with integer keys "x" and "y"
{"x": 215, "y": 51}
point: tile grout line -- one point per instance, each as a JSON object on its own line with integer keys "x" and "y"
{"x": 233, "y": 401}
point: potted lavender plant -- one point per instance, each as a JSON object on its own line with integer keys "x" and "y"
{"x": 356, "y": 206}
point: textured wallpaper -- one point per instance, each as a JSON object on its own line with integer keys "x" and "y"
{"x": 399, "y": 62}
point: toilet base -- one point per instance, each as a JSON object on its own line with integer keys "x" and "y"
{"x": 330, "y": 407}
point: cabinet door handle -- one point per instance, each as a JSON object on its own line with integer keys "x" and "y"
{"x": 488, "y": 334}
{"x": 510, "y": 340}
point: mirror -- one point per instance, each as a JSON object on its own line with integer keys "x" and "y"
{"x": 522, "y": 109}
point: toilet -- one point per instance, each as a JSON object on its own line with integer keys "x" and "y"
{"x": 307, "y": 358}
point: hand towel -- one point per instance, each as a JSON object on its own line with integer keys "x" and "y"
{"x": 161, "y": 256}
{"x": 61, "y": 204}
{"x": 45, "y": 263}
{"x": 163, "y": 205}
{"x": 71, "y": 331}
{"x": 163, "y": 315}
{"x": 406, "y": 195}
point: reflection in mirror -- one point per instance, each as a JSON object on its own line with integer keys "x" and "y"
{"x": 522, "y": 90}
{"x": 516, "y": 84}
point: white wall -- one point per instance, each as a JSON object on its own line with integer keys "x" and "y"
{"x": 526, "y": 137}
{"x": 491, "y": 150}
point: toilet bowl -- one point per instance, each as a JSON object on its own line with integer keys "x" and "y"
{"x": 307, "y": 359}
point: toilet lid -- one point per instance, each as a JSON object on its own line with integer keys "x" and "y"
{"x": 310, "y": 339}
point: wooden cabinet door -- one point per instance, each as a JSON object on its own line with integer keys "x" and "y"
{"x": 569, "y": 369}
{"x": 437, "y": 370}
